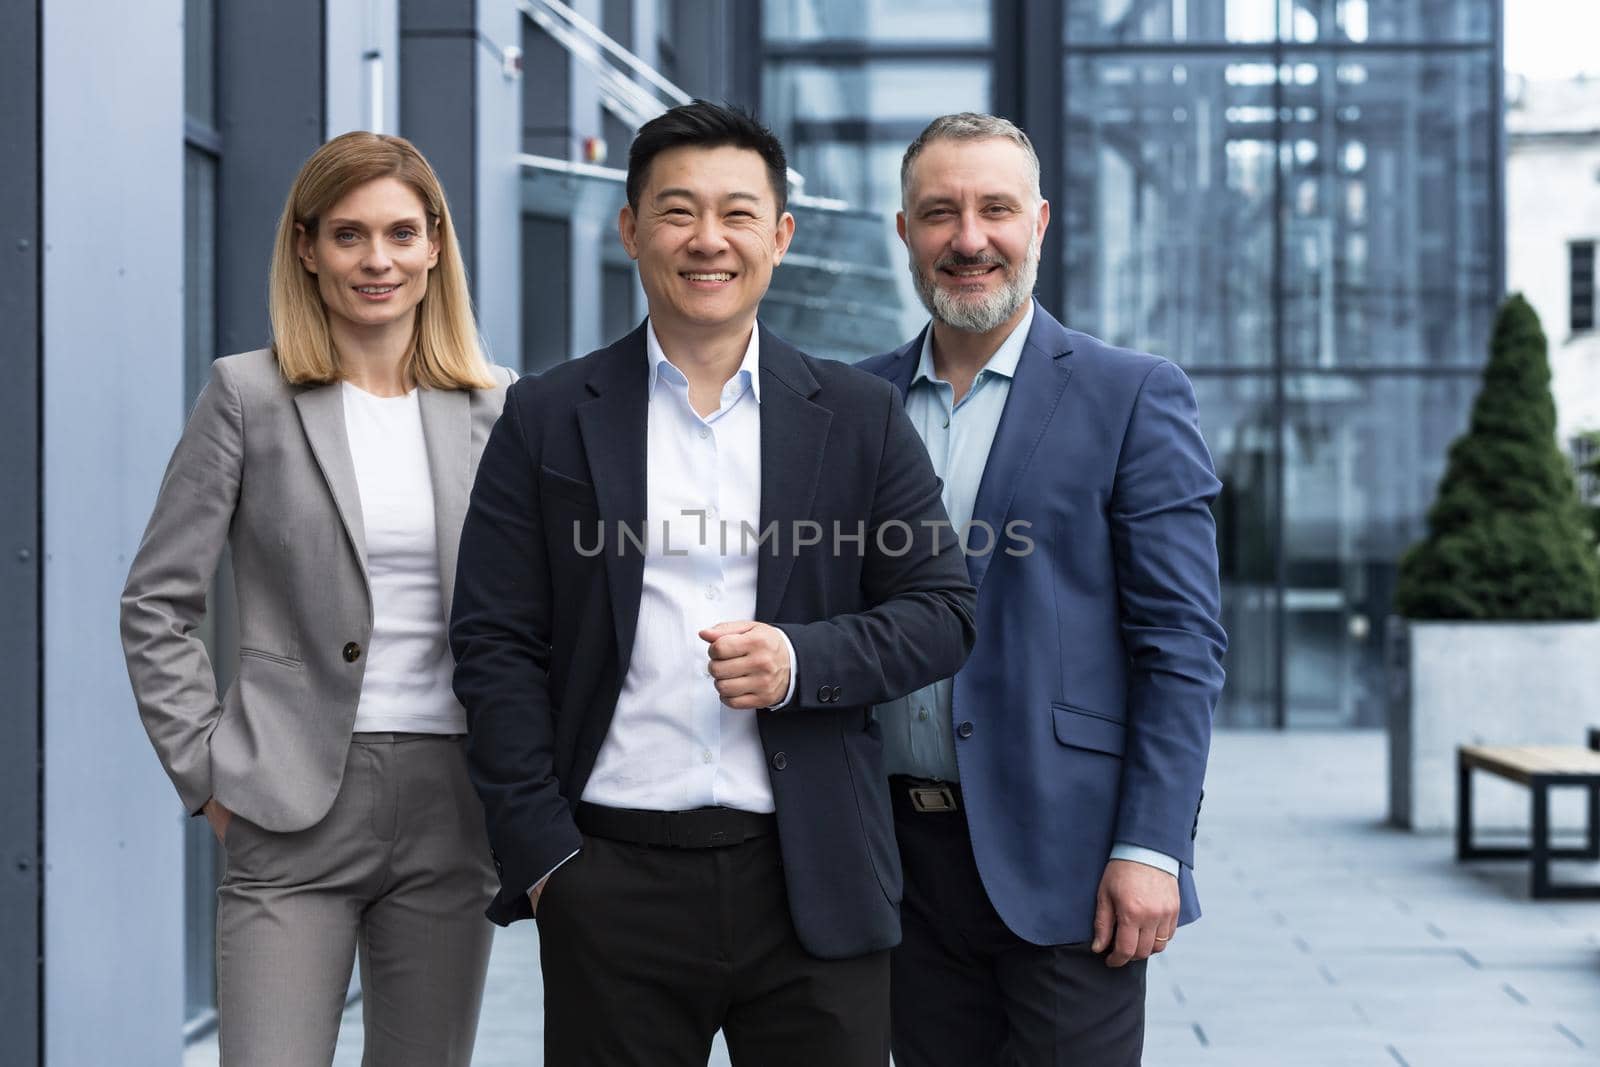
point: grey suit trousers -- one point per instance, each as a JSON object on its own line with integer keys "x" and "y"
{"x": 399, "y": 869}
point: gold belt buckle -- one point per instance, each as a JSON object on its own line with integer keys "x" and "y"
{"x": 927, "y": 798}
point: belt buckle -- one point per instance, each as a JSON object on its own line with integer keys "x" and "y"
{"x": 926, "y": 798}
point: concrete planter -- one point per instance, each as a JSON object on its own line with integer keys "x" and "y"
{"x": 1492, "y": 683}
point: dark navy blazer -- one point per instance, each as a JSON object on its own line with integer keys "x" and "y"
{"x": 543, "y": 626}
{"x": 1099, "y": 658}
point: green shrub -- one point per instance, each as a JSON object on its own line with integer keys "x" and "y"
{"x": 1507, "y": 535}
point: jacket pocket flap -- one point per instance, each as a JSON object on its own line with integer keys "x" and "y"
{"x": 566, "y": 486}
{"x": 1083, "y": 729}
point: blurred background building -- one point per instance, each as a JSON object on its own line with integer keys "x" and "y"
{"x": 1553, "y": 231}
{"x": 1300, "y": 201}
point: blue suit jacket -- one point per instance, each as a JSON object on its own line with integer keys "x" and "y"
{"x": 1099, "y": 658}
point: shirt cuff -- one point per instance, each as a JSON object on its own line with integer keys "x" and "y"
{"x": 551, "y": 871}
{"x": 794, "y": 670}
{"x": 1147, "y": 856}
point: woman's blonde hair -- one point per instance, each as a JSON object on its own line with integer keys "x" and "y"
{"x": 445, "y": 353}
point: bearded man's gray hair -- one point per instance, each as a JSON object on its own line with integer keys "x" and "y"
{"x": 969, "y": 126}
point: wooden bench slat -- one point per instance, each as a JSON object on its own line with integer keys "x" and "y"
{"x": 1522, "y": 762}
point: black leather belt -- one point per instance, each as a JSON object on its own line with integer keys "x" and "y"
{"x": 698, "y": 828}
{"x": 924, "y": 795}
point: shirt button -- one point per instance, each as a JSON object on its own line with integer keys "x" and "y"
{"x": 711, "y": 592}
{"x": 706, "y": 757}
{"x": 922, "y": 714}
{"x": 964, "y": 730}
{"x": 352, "y": 652}
{"x": 704, "y": 433}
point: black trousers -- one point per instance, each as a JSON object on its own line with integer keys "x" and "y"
{"x": 648, "y": 951}
{"x": 967, "y": 992}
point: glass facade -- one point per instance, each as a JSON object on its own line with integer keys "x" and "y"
{"x": 1296, "y": 200}
{"x": 847, "y": 86}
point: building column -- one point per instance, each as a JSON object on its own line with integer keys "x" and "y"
{"x": 21, "y": 254}
{"x": 270, "y": 100}
{"x": 460, "y": 105}
{"x": 111, "y": 279}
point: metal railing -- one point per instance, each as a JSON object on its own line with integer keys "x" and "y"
{"x": 631, "y": 89}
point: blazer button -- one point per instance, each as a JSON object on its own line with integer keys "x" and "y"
{"x": 779, "y": 761}
{"x": 964, "y": 731}
{"x": 352, "y": 652}
{"x": 823, "y": 694}
{"x": 835, "y": 695}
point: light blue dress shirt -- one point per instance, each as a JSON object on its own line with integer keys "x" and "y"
{"x": 917, "y": 736}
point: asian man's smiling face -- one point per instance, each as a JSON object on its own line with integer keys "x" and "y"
{"x": 707, "y": 235}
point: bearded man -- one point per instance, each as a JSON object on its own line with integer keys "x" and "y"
{"x": 1046, "y": 797}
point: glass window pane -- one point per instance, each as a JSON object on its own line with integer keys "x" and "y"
{"x": 1359, "y": 21}
{"x": 1241, "y": 427}
{"x": 1134, "y": 22}
{"x": 199, "y": 60}
{"x": 1389, "y": 219}
{"x": 880, "y": 92}
{"x": 1581, "y": 287}
{"x": 1139, "y": 21}
{"x": 1362, "y": 459}
{"x": 1166, "y": 227}
{"x": 956, "y": 21}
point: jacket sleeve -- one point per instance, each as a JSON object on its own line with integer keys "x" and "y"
{"x": 918, "y": 626}
{"x": 500, "y": 633}
{"x": 1164, "y": 545}
{"x": 164, "y": 600}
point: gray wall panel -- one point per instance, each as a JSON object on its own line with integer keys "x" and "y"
{"x": 113, "y": 398}
{"x": 20, "y": 861}
{"x": 270, "y": 74}
{"x": 465, "y": 114}
{"x": 437, "y": 92}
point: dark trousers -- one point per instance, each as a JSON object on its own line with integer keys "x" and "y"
{"x": 967, "y": 992}
{"x": 648, "y": 951}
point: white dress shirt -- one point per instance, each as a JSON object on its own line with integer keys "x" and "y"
{"x": 673, "y": 745}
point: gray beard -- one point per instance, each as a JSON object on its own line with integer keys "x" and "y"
{"x": 983, "y": 315}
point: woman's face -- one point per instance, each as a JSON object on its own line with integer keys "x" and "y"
{"x": 371, "y": 255}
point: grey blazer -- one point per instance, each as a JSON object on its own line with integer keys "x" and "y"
{"x": 264, "y": 466}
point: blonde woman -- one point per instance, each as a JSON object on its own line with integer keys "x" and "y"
{"x": 336, "y": 465}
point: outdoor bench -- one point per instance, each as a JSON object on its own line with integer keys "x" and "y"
{"x": 1540, "y": 768}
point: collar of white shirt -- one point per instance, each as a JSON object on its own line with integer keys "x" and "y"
{"x": 747, "y": 376}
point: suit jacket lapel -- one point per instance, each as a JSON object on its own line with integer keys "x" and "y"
{"x": 447, "y": 434}
{"x": 794, "y": 432}
{"x": 322, "y": 416}
{"x": 1042, "y": 373}
{"x": 614, "y": 427}
{"x": 903, "y": 364}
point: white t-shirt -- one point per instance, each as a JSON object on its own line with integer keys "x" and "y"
{"x": 406, "y": 687}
